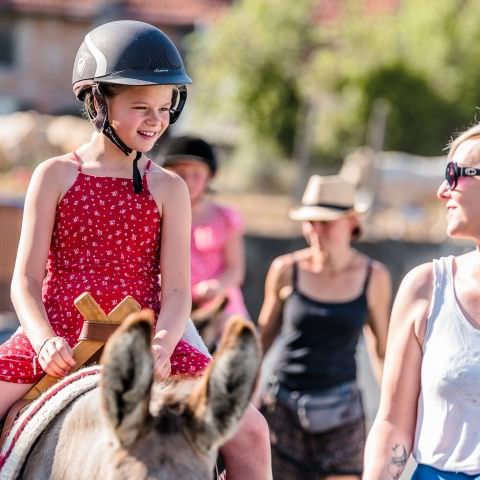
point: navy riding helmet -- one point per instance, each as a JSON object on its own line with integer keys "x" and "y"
{"x": 184, "y": 147}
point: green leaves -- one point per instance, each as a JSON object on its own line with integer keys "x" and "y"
{"x": 266, "y": 60}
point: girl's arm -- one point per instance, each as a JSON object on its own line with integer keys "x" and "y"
{"x": 379, "y": 296}
{"x": 234, "y": 272}
{"x": 270, "y": 317}
{"x": 174, "y": 264}
{"x": 391, "y": 437}
{"x": 42, "y": 196}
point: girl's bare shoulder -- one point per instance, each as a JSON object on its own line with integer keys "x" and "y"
{"x": 57, "y": 171}
{"x": 163, "y": 182}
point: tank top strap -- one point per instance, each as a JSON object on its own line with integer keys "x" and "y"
{"x": 294, "y": 275}
{"x": 368, "y": 274}
{"x": 442, "y": 291}
{"x": 78, "y": 160}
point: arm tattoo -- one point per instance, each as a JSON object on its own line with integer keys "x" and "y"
{"x": 398, "y": 461}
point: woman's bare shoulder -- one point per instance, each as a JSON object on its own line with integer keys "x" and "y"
{"x": 413, "y": 300}
{"x": 281, "y": 266}
{"x": 284, "y": 262}
{"x": 418, "y": 281}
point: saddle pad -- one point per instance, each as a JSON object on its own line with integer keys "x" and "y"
{"x": 29, "y": 426}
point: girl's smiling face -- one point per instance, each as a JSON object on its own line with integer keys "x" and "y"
{"x": 140, "y": 115}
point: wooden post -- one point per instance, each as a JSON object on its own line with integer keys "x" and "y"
{"x": 85, "y": 349}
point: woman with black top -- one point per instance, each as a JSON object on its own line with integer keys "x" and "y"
{"x": 320, "y": 299}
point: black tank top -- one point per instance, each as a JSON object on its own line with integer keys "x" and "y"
{"x": 319, "y": 339}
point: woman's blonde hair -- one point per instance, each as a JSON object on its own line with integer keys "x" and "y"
{"x": 472, "y": 132}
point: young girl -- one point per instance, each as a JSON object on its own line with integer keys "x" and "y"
{"x": 218, "y": 262}
{"x": 95, "y": 229}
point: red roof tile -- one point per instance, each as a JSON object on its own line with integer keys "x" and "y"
{"x": 329, "y": 11}
{"x": 168, "y": 12}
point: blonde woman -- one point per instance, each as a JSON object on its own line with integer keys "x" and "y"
{"x": 429, "y": 404}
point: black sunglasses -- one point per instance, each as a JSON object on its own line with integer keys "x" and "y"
{"x": 453, "y": 172}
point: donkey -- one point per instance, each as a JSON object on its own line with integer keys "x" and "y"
{"x": 208, "y": 319}
{"x": 134, "y": 428}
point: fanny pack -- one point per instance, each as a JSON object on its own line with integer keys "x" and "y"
{"x": 322, "y": 410}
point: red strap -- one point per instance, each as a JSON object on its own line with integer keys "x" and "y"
{"x": 12, "y": 415}
{"x": 147, "y": 168}
{"x": 78, "y": 160}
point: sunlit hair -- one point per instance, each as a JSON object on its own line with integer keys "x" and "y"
{"x": 108, "y": 90}
{"x": 471, "y": 133}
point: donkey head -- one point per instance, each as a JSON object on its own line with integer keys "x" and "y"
{"x": 172, "y": 429}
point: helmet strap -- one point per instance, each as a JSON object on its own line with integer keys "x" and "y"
{"x": 137, "y": 178}
{"x": 103, "y": 125}
{"x": 110, "y": 133}
{"x": 178, "y": 102}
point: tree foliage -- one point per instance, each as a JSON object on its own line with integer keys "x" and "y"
{"x": 249, "y": 66}
{"x": 266, "y": 60}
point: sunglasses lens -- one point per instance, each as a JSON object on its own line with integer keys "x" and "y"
{"x": 450, "y": 175}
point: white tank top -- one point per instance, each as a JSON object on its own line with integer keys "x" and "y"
{"x": 447, "y": 434}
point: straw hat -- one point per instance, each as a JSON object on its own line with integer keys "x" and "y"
{"x": 326, "y": 198}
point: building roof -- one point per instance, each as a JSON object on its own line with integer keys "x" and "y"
{"x": 165, "y": 12}
{"x": 328, "y": 11}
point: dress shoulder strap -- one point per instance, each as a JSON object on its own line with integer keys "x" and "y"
{"x": 147, "y": 168}
{"x": 78, "y": 160}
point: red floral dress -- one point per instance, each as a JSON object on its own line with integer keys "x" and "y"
{"x": 106, "y": 240}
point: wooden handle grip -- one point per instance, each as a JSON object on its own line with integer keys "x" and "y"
{"x": 85, "y": 349}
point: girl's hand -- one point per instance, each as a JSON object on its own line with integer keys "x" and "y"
{"x": 206, "y": 290}
{"x": 56, "y": 357}
{"x": 161, "y": 358}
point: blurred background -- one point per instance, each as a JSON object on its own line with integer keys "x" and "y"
{"x": 373, "y": 89}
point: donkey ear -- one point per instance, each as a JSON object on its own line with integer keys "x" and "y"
{"x": 224, "y": 392}
{"x": 128, "y": 375}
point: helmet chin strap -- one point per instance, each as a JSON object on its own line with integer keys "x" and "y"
{"x": 102, "y": 124}
{"x": 110, "y": 133}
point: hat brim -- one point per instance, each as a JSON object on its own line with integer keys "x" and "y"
{"x": 320, "y": 214}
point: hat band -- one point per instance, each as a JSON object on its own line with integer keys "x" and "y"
{"x": 332, "y": 205}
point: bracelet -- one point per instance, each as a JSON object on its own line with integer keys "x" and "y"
{"x": 43, "y": 344}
